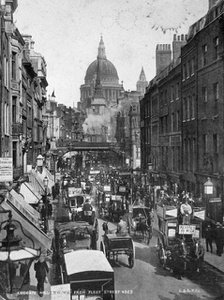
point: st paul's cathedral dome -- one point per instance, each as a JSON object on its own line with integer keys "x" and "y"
{"x": 108, "y": 76}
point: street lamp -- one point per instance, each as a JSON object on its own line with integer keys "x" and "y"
{"x": 40, "y": 162}
{"x": 208, "y": 191}
{"x": 14, "y": 256}
{"x": 45, "y": 181}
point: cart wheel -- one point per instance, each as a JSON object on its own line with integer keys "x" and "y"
{"x": 131, "y": 260}
{"x": 102, "y": 248}
{"x": 148, "y": 236}
{"x": 131, "y": 257}
{"x": 162, "y": 257}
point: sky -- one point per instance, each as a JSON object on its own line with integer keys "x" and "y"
{"x": 67, "y": 34}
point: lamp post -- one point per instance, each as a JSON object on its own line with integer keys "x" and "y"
{"x": 40, "y": 161}
{"x": 208, "y": 191}
{"x": 13, "y": 254}
{"x": 45, "y": 181}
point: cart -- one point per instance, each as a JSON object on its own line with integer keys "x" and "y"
{"x": 88, "y": 275}
{"x": 141, "y": 222}
{"x": 113, "y": 245}
{"x": 72, "y": 236}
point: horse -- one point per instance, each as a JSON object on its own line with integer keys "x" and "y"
{"x": 144, "y": 229}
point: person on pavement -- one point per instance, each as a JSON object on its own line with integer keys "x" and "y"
{"x": 41, "y": 269}
{"x": 199, "y": 252}
{"x": 209, "y": 237}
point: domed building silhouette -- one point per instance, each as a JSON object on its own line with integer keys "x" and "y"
{"x": 108, "y": 77}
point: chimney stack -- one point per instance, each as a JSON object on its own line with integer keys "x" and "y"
{"x": 178, "y": 42}
{"x": 163, "y": 57}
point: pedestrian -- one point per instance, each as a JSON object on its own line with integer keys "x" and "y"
{"x": 178, "y": 262}
{"x": 219, "y": 239}
{"x": 41, "y": 269}
{"x": 209, "y": 237}
{"x": 199, "y": 252}
{"x": 49, "y": 209}
{"x": 57, "y": 188}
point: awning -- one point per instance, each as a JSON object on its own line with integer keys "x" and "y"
{"x": 28, "y": 217}
{"x": 30, "y": 195}
{"x": 18, "y": 201}
{"x": 36, "y": 184}
{"x": 45, "y": 173}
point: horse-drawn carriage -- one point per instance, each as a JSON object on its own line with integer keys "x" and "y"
{"x": 87, "y": 275}
{"x": 141, "y": 222}
{"x": 179, "y": 244}
{"x": 113, "y": 207}
{"x": 72, "y": 236}
{"x": 114, "y": 244}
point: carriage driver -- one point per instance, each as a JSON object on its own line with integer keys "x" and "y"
{"x": 87, "y": 211}
{"x": 87, "y": 207}
{"x": 122, "y": 228}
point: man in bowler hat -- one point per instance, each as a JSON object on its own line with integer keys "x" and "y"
{"x": 41, "y": 269}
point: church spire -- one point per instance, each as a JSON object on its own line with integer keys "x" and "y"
{"x": 142, "y": 83}
{"x": 98, "y": 93}
{"x": 142, "y": 76}
{"x": 101, "y": 49}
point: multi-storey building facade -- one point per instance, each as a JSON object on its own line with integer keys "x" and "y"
{"x": 23, "y": 84}
{"x": 189, "y": 123}
{"x": 204, "y": 49}
{"x": 128, "y": 127}
{"x": 5, "y": 131}
{"x": 161, "y": 117}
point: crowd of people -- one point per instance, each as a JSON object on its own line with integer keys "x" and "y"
{"x": 214, "y": 233}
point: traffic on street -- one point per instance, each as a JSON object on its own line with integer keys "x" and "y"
{"x": 107, "y": 214}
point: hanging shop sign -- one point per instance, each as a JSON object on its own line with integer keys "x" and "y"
{"x": 6, "y": 169}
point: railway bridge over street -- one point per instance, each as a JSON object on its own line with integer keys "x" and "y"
{"x": 87, "y": 146}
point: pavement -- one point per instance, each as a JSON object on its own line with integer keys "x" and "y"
{"x": 213, "y": 259}
{"x": 30, "y": 291}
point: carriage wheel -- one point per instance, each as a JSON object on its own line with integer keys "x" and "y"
{"x": 102, "y": 248}
{"x": 147, "y": 236}
{"x": 162, "y": 257}
{"x": 131, "y": 256}
{"x": 131, "y": 260}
